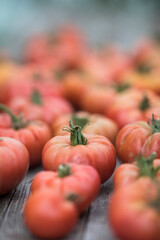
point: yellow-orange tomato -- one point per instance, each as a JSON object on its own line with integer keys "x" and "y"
{"x": 92, "y": 124}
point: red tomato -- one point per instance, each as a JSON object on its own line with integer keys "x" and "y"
{"x": 94, "y": 150}
{"x": 92, "y": 124}
{"x": 129, "y": 173}
{"x": 134, "y": 105}
{"x": 82, "y": 180}
{"x": 48, "y": 215}
{"x": 37, "y": 107}
{"x": 136, "y": 138}
{"x": 134, "y": 211}
{"x": 14, "y": 163}
{"x": 33, "y": 135}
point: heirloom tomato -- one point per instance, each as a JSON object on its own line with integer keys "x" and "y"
{"x": 82, "y": 180}
{"x": 49, "y": 215}
{"x": 14, "y": 163}
{"x": 94, "y": 150}
{"x": 33, "y": 134}
{"x": 133, "y": 211}
{"x": 138, "y": 138}
{"x": 90, "y": 123}
{"x": 128, "y": 173}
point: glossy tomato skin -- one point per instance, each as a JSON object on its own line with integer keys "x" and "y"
{"x": 136, "y": 138}
{"x": 14, "y": 163}
{"x": 131, "y": 214}
{"x": 99, "y": 153}
{"x": 34, "y": 136}
{"x": 128, "y": 173}
{"x": 48, "y": 111}
{"x": 48, "y": 215}
{"x": 84, "y": 181}
{"x": 97, "y": 124}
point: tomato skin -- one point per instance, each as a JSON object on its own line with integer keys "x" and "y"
{"x": 128, "y": 173}
{"x": 99, "y": 153}
{"x": 130, "y": 214}
{"x": 51, "y": 108}
{"x": 14, "y": 163}
{"x": 137, "y": 138}
{"x": 84, "y": 181}
{"x": 48, "y": 215}
{"x": 33, "y": 136}
{"x": 97, "y": 124}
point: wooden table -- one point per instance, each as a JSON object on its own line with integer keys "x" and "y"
{"x": 93, "y": 225}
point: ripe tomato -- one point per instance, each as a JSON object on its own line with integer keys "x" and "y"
{"x": 14, "y": 163}
{"x": 33, "y": 135}
{"x": 82, "y": 180}
{"x": 94, "y": 150}
{"x": 134, "y": 105}
{"x": 139, "y": 137}
{"x": 37, "y": 107}
{"x": 134, "y": 211}
{"x": 48, "y": 215}
{"x": 91, "y": 124}
{"x": 129, "y": 173}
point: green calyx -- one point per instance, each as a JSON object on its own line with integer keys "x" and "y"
{"x": 154, "y": 124}
{"x": 146, "y": 167}
{"x": 17, "y": 121}
{"x": 36, "y": 97}
{"x": 79, "y": 121}
{"x": 143, "y": 68}
{"x": 76, "y": 137}
{"x": 121, "y": 87}
{"x": 73, "y": 197}
{"x": 156, "y": 203}
{"x": 64, "y": 170}
{"x": 144, "y": 104}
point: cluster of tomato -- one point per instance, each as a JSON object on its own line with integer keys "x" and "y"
{"x": 64, "y": 106}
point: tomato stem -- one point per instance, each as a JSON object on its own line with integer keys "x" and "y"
{"x": 79, "y": 121}
{"x": 121, "y": 87}
{"x": 144, "y": 104}
{"x": 143, "y": 68}
{"x": 64, "y": 170}
{"x": 17, "y": 121}
{"x": 146, "y": 167}
{"x": 76, "y": 137}
{"x": 36, "y": 97}
{"x": 154, "y": 124}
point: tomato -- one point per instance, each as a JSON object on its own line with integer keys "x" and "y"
{"x": 94, "y": 150}
{"x": 14, "y": 163}
{"x": 129, "y": 173}
{"x": 134, "y": 211}
{"x": 37, "y": 107}
{"x": 48, "y": 215}
{"x": 139, "y": 137}
{"x": 135, "y": 105}
{"x": 33, "y": 135}
{"x": 82, "y": 180}
{"x": 92, "y": 124}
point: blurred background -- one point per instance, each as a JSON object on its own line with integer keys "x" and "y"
{"x": 101, "y": 21}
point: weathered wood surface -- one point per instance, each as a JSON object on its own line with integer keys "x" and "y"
{"x": 93, "y": 225}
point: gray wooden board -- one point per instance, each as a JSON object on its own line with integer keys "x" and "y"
{"x": 92, "y": 225}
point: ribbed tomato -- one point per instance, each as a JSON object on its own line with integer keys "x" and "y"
{"x": 33, "y": 135}
{"x": 94, "y": 150}
{"x": 81, "y": 182}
